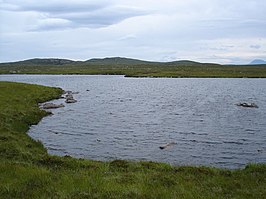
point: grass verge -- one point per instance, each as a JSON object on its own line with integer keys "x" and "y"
{"x": 27, "y": 171}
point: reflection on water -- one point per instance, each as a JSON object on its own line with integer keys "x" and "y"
{"x": 127, "y": 118}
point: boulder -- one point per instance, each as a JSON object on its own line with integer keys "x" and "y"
{"x": 69, "y": 96}
{"x": 68, "y": 100}
{"x": 52, "y": 106}
{"x": 167, "y": 145}
{"x": 247, "y": 105}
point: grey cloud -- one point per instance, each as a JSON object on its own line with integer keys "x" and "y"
{"x": 102, "y": 17}
{"x": 127, "y": 37}
{"x": 68, "y": 6}
{"x": 80, "y": 13}
{"x": 255, "y": 46}
{"x": 52, "y": 24}
{"x": 54, "y": 6}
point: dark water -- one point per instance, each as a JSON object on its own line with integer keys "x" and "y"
{"x": 127, "y": 118}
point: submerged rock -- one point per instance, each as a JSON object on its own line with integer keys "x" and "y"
{"x": 167, "y": 145}
{"x": 52, "y": 106}
{"x": 70, "y": 100}
{"x": 247, "y": 105}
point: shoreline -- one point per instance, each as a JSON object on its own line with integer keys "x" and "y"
{"x": 138, "y": 77}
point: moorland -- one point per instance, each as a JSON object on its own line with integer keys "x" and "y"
{"x": 133, "y": 68}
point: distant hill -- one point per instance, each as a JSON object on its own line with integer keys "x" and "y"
{"x": 39, "y": 61}
{"x": 97, "y": 61}
{"x": 117, "y": 60}
{"x": 257, "y": 62}
{"x": 131, "y": 68}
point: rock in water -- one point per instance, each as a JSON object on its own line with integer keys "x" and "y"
{"x": 52, "y": 106}
{"x": 69, "y": 96}
{"x": 247, "y": 105}
{"x": 167, "y": 145}
{"x": 71, "y": 100}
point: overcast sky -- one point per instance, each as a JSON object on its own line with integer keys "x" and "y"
{"x": 221, "y": 31}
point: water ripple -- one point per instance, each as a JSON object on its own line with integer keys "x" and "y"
{"x": 124, "y": 118}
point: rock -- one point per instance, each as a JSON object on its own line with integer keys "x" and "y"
{"x": 71, "y": 92}
{"x": 69, "y": 96}
{"x": 52, "y": 106}
{"x": 70, "y": 100}
{"x": 167, "y": 145}
{"x": 247, "y": 105}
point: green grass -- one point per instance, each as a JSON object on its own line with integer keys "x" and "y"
{"x": 27, "y": 171}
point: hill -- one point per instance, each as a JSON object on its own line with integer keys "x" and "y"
{"x": 39, "y": 61}
{"x": 117, "y": 60}
{"x": 131, "y": 68}
{"x": 96, "y": 61}
{"x": 257, "y": 62}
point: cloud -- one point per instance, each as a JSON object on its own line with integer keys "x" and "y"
{"x": 74, "y": 14}
{"x": 103, "y": 17}
{"x": 255, "y": 46}
{"x": 54, "y": 6}
{"x": 51, "y": 24}
{"x": 127, "y": 37}
{"x": 229, "y": 31}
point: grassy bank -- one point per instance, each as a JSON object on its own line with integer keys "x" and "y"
{"x": 27, "y": 171}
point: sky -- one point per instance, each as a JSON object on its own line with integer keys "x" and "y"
{"x": 217, "y": 31}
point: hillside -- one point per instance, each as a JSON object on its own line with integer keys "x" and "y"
{"x": 257, "y": 62}
{"x": 39, "y": 61}
{"x": 98, "y": 61}
{"x": 117, "y": 60}
{"x": 131, "y": 68}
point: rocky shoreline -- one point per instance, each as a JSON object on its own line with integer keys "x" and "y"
{"x": 67, "y": 95}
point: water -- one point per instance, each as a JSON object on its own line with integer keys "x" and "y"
{"x": 128, "y": 118}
